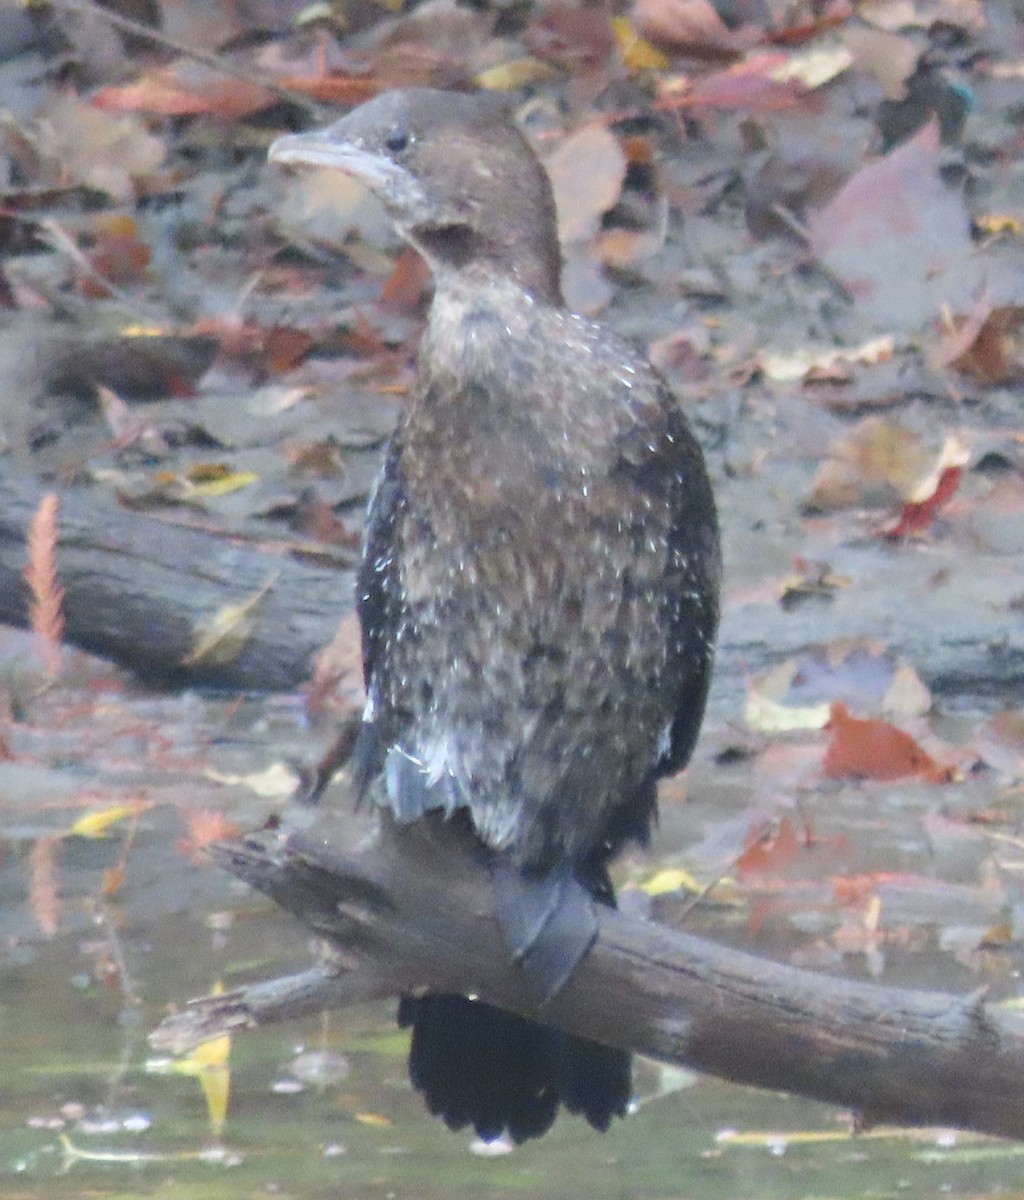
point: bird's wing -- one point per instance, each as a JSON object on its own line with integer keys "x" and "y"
{"x": 378, "y": 595}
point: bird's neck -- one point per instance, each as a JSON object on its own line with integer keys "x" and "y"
{"x": 462, "y": 259}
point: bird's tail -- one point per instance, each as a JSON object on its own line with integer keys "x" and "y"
{"x": 477, "y": 1065}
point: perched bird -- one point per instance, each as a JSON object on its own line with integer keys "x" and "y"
{"x": 538, "y": 594}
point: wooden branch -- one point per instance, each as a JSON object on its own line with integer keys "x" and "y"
{"x": 137, "y": 589}
{"x": 413, "y": 910}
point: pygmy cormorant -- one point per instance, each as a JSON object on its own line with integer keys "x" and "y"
{"x": 538, "y": 594}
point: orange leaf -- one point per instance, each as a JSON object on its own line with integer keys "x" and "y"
{"x": 42, "y": 888}
{"x": 873, "y": 749}
{"x": 205, "y": 826}
{"x": 769, "y": 855}
{"x": 47, "y": 596}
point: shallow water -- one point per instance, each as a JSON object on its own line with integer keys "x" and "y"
{"x": 323, "y": 1106}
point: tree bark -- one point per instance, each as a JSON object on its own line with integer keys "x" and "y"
{"x": 412, "y": 910}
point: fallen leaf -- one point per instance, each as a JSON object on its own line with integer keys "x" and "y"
{"x": 890, "y": 57}
{"x": 225, "y": 635}
{"x": 814, "y": 65}
{"x": 874, "y": 749}
{"x": 277, "y": 782}
{"x": 909, "y": 14}
{"x": 769, "y": 854}
{"x": 209, "y": 1062}
{"x": 103, "y": 151}
{"x": 637, "y": 53}
{"x": 685, "y": 25}
{"x": 917, "y": 515}
{"x": 46, "y": 596}
{"x": 907, "y": 696}
{"x": 205, "y": 826}
{"x": 587, "y": 171}
{"x": 874, "y": 464}
{"x": 185, "y": 89}
{"x": 97, "y": 824}
{"x": 933, "y": 492}
{"x": 995, "y": 353}
{"x": 898, "y": 237}
{"x": 670, "y": 879}
{"x": 515, "y": 74}
{"x": 764, "y": 711}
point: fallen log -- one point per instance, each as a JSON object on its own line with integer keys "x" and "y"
{"x": 411, "y": 910}
{"x": 140, "y": 591}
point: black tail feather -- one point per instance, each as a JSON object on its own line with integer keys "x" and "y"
{"x": 477, "y": 1065}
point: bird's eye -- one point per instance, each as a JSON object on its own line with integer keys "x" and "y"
{"x": 397, "y": 140}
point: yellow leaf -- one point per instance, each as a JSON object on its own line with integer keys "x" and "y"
{"x": 232, "y": 481}
{"x": 514, "y": 74}
{"x": 150, "y": 331}
{"x": 208, "y": 1063}
{"x": 277, "y": 782}
{"x": 375, "y": 1120}
{"x": 999, "y": 223}
{"x": 223, "y": 639}
{"x": 671, "y": 879}
{"x": 637, "y": 53}
{"x": 770, "y": 716}
{"x": 96, "y": 824}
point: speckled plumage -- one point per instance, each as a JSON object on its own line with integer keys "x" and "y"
{"x": 539, "y": 591}
{"x": 551, "y": 604}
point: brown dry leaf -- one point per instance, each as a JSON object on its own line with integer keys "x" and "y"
{"x": 890, "y": 57}
{"x": 686, "y": 25}
{"x": 42, "y": 887}
{"x": 338, "y": 670}
{"x": 875, "y": 464}
{"x": 769, "y": 854}
{"x": 933, "y": 491}
{"x": 46, "y": 596}
{"x": 996, "y": 354}
{"x": 108, "y": 152}
{"x": 747, "y": 86}
{"x": 117, "y": 255}
{"x": 587, "y": 171}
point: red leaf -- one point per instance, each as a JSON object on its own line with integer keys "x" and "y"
{"x": 917, "y": 515}
{"x": 873, "y": 749}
